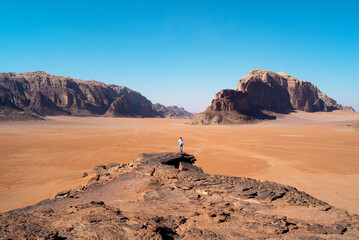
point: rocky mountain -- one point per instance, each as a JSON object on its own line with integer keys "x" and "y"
{"x": 172, "y": 111}
{"x": 165, "y": 196}
{"x": 263, "y": 93}
{"x": 32, "y": 95}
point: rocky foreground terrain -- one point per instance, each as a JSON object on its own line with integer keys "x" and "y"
{"x": 165, "y": 196}
{"x": 33, "y": 95}
{"x": 261, "y": 95}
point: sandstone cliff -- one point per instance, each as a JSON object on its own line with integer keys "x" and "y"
{"x": 47, "y": 94}
{"x": 172, "y": 111}
{"x": 165, "y": 196}
{"x": 32, "y": 95}
{"x": 261, "y": 95}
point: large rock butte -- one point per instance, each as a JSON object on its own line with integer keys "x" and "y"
{"x": 165, "y": 196}
{"x": 33, "y": 95}
{"x": 261, "y": 95}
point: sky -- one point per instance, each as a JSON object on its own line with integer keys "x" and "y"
{"x": 183, "y": 52}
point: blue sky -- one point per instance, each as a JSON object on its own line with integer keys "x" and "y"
{"x": 183, "y": 52}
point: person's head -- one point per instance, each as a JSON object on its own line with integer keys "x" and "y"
{"x": 180, "y": 137}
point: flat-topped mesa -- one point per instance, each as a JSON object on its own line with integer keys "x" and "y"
{"x": 265, "y": 90}
{"x": 281, "y": 91}
{"x": 261, "y": 95}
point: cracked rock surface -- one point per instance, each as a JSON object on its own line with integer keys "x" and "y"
{"x": 165, "y": 196}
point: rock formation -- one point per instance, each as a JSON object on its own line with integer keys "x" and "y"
{"x": 34, "y": 94}
{"x": 261, "y": 95}
{"x": 281, "y": 91}
{"x": 172, "y": 111}
{"x": 165, "y": 196}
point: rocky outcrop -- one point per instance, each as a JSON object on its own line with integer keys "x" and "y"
{"x": 348, "y": 109}
{"x": 14, "y": 113}
{"x": 261, "y": 95}
{"x": 209, "y": 117}
{"x": 172, "y": 111}
{"x": 38, "y": 93}
{"x": 165, "y": 196}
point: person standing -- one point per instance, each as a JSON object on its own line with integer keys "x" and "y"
{"x": 180, "y": 144}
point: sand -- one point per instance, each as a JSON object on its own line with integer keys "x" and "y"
{"x": 315, "y": 152}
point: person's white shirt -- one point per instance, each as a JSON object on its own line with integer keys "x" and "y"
{"x": 180, "y": 142}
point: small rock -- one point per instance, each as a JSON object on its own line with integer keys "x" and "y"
{"x": 112, "y": 165}
{"x": 101, "y": 203}
{"x": 62, "y": 194}
{"x": 94, "y": 179}
{"x": 212, "y": 215}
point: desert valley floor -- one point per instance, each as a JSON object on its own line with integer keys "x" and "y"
{"x": 314, "y": 152}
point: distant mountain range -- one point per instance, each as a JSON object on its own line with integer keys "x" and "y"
{"x": 33, "y": 95}
{"x": 172, "y": 111}
{"x": 261, "y": 95}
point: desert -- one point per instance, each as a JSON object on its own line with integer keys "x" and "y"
{"x": 186, "y": 120}
{"x": 276, "y": 158}
{"x": 315, "y": 152}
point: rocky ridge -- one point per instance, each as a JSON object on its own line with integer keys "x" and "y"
{"x": 33, "y": 95}
{"x": 172, "y": 111}
{"x": 263, "y": 94}
{"x": 165, "y": 196}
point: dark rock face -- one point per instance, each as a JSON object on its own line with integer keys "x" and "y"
{"x": 230, "y": 100}
{"x": 38, "y": 93}
{"x": 164, "y": 196}
{"x": 261, "y": 94}
{"x": 172, "y": 111}
{"x": 266, "y": 92}
{"x": 280, "y": 91}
